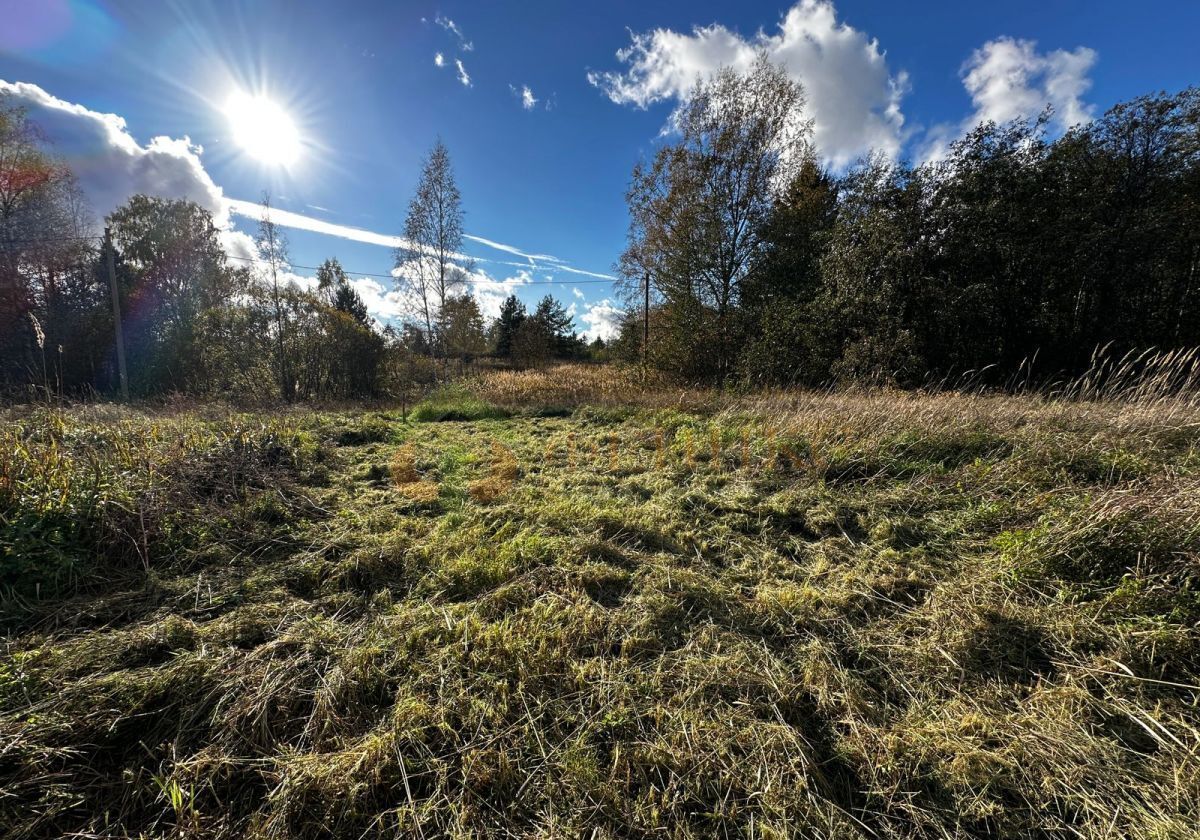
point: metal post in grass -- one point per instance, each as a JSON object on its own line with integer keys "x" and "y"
{"x": 116, "y": 305}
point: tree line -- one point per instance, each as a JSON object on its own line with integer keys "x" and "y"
{"x": 196, "y": 321}
{"x": 747, "y": 260}
{"x": 1009, "y": 251}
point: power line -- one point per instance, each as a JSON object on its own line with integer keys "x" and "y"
{"x": 38, "y": 241}
{"x": 62, "y": 239}
{"x": 388, "y": 276}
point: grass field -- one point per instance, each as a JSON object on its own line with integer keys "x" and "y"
{"x": 567, "y": 604}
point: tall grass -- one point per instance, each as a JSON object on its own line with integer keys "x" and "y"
{"x": 570, "y": 386}
{"x": 80, "y": 501}
{"x": 1148, "y": 376}
{"x": 1149, "y": 379}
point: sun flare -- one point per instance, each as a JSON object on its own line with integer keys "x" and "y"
{"x": 263, "y": 129}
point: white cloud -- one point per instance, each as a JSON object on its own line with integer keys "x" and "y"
{"x": 110, "y": 164}
{"x": 512, "y": 249}
{"x": 385, "y": 303}
{"x": 253, "y": 210}
{"x": 603, "y": 320}
{"x": 448, "y": 25}
{"x": 304, "y": 282}
{"x": 525, "y": 94}
{"x": 853, "y": 97}
{"x": 463, "y": 76}
{"x": 554, "y": 264}
{"x": 490, "y": 293}
{"x": 596, "y": 274}
{"x": 575, "y": 291}
{"x": 239, "y": 245}
{"x": 1007, "y": 78}
{"x": 462, "y": 73}
{"x": 452, "y": 27}
{"x": 392, "y": 302}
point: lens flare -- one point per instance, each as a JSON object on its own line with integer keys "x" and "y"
{"x": 263, "y": 129}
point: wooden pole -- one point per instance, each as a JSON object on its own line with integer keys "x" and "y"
{"x": 116, "y": 305}
{"x": 646, "y": 325}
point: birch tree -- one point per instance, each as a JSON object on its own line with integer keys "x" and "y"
{"x": 698, "y": 210}
{"x": 427, "y": 271}
{"x": 273, "y": 249}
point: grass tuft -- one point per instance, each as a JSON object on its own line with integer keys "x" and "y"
{"x": 454, "y": 403}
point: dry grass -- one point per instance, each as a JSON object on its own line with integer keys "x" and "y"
{"x": 570, "y": 386}
{"x": 501, "y": 478}
{"x": 872, "y": 615}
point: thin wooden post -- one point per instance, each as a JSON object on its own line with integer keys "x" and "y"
{"x": 646, "y": 325}
{"x": 116, "y": 306}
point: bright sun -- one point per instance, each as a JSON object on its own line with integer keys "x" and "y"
{"x": 263, "y": 129}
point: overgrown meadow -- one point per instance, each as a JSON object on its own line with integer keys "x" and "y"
{"x": 577, "y": 603}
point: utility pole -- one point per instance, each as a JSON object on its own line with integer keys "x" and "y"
{"x": 116, "y": 304}
{"x": 646, "y": 326}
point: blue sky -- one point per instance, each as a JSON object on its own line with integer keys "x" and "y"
{"x": 543, "y": 173}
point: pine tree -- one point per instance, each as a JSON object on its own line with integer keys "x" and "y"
{"x": 347, "y": 299}
{"x": 512, "y": 315}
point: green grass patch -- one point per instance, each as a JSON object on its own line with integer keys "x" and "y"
{"x": 368, "y": 429}
{"x": 454, "y": 403}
